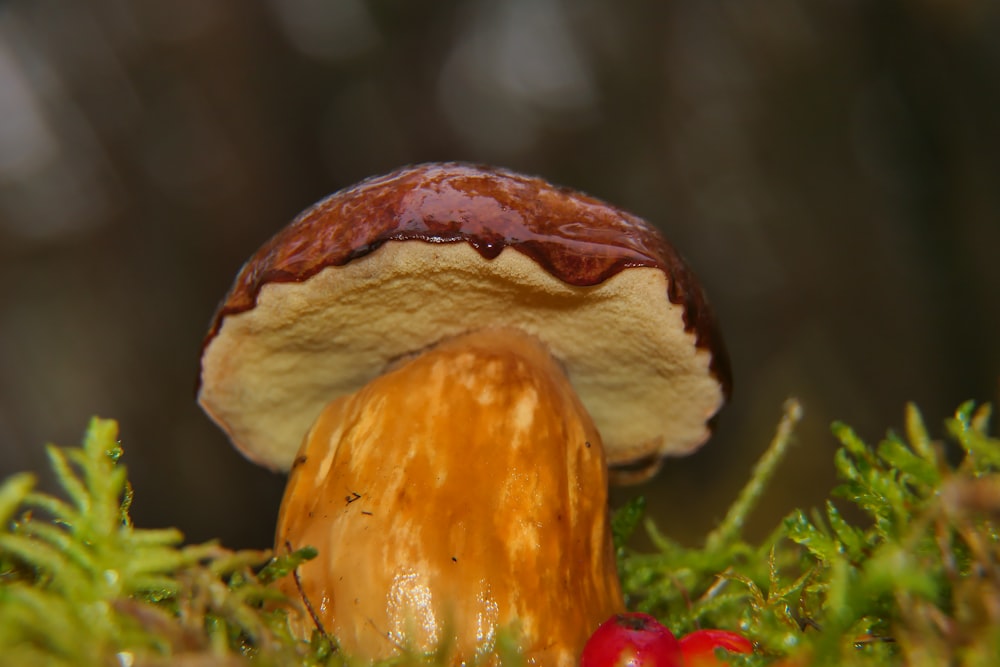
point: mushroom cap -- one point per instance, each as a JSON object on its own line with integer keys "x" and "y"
{"x": 384, "y": 269}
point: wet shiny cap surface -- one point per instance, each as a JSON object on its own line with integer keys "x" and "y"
{"x": 579, "y": 241}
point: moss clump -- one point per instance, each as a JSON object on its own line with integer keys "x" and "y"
{"x": 916, "y": 583}
{"x": 80, "y": 585}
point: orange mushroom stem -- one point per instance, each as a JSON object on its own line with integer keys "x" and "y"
{"x": 462, "y": 493}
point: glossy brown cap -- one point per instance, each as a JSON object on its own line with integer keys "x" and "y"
{"x": 396, "y": 263}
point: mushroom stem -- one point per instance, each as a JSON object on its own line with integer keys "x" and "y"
{"x": 457, "y": 495}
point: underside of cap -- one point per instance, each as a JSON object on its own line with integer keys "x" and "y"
{"x": 269, "y": 371}
{"x": 393, "y": 265}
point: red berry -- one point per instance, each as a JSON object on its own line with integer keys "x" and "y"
{"x": 631, "y": 640}
{"x": 699, "y": 647}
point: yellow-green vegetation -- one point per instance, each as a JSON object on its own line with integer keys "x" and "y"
{"x": 916, "y": 582}
{"x": 82, "y": 586}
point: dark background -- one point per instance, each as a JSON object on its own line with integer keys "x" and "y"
{"x": 831, "y": 170}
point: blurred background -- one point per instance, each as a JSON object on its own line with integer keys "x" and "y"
{"x": 831, "y": 169}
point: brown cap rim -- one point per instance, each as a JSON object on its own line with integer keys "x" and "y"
{"x": 576, "y": 238}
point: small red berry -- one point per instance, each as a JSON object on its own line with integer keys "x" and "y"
{"x": 632, "y": 639}
{"x": 699, "y": 647}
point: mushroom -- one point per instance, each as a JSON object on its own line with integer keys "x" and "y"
{"x": 448, "y": 358}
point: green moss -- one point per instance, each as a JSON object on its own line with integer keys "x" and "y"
{"x": 915, "y": 583}
{"x": 80, "y": 585}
